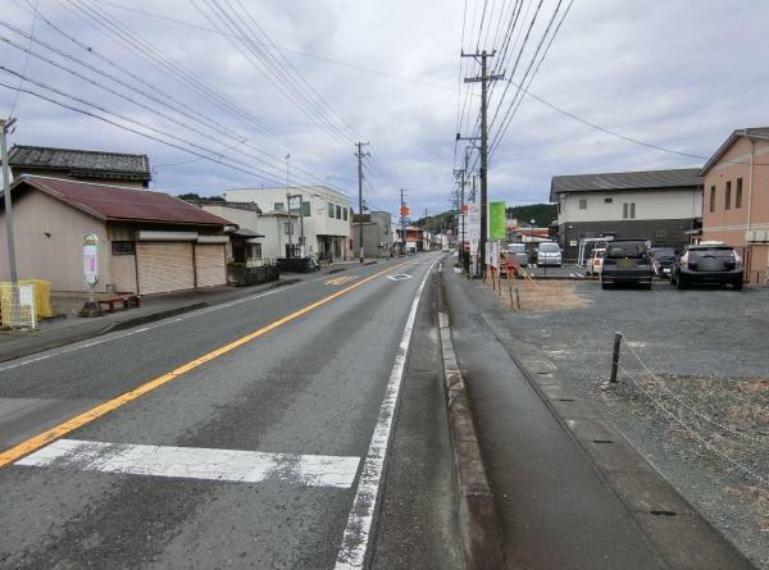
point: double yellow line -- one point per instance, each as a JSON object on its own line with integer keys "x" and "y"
{"x": 42, "y": 439}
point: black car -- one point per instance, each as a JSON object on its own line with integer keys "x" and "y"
{"x": 704, "y": 264}
{"x": 663, "y": 260}
{"x": 627, "y": 262}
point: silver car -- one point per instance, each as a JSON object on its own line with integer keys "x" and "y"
{"x": 518, "y": 251}
{"x": 549, "y": 253}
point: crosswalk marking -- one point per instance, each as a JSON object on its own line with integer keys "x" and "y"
{"x": 197, "y": 463}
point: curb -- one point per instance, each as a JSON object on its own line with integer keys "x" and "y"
{"x": 151, "y": 318}
{"x": 479, "y": 523}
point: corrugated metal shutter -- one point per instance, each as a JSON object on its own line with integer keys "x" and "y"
{"x": 209, "y": 264}
{"x": 164, "y": 267}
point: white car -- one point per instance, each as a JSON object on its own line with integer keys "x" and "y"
{"x": 549, "y": 253}
{"x": 595, "y": 263}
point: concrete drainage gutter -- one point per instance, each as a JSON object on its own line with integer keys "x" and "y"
{"x": 479, "y": 525}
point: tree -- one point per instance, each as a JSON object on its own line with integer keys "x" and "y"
{"x": 542, "y": 214}
{"x": 195, "y": 197}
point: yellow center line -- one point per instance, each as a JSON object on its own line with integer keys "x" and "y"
{"x": 44, "y": 438}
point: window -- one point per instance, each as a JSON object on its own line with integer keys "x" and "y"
{"x": 608, "y": 200}
{"x": 728, "y": 196}
{"x": 632, "y": 210}
{"x": 712, "y": 198}
{"x": 123, "y": 248}
{"x": 661, "y": 235}
{"x": 330, "y": 210}
{"x": 583, "y": 204}
{"x": 738, "y": 194}
{"x": 339, "y": 212}
{"x": 278, "y": 206}
{"x": 306, "y": 209}
{"x": 344, "y": 214}
{"x": 624, "y": 210}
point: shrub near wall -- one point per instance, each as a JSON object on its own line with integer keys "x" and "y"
{"x": 239, "y": 275}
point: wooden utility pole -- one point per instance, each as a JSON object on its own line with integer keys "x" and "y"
{"x": 484, "y": 80}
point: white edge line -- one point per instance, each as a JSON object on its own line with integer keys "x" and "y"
{"x": 355, "y": 539}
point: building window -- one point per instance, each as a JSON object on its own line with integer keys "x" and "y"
{"x": 712, "y": 198}
{"x": 624, "y": 211}
{"x": 123, "y": 248}
{"x": 305, "y": 209}
{"x": 632, "y": 210}
{"x": 728, "y": 196}
{"x": 344, "y": 214}
{"x": 608, "y": 200}
{"x": 278, "y": 206}
{"x": 738, "y": 194}
{"x": 583, "y": 204}
{"x": 339, "y": 212}
{"x": 330, "y": 210}
{"x": 661, "y": 235}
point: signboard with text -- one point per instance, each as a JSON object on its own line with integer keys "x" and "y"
{"x": 91, "y": 260}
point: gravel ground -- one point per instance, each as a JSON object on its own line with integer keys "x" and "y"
{"x": 693, "y": 394}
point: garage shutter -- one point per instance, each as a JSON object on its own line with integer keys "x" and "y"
{"x": 209, "y": 264}
{"x": 164, "y": 266}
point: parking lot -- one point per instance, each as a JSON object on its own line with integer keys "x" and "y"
{"x": 693, "y": 392}
{"x": 568, "y": 270}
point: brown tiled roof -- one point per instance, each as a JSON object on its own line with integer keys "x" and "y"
{"x": 114, "y": 203}
{"x": 82, "y": 163}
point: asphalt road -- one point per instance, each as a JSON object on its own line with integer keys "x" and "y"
{"x": 252, "y": 434}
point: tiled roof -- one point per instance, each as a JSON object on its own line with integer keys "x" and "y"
{"x": 753, "y": 133}
{"x": 645, "y": 180}
{"x": 81, "y": 163}
{"x": 115, "y": 203}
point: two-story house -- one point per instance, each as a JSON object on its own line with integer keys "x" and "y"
{"x": 662, "y": 206}
{"x": 325, "y": 215}
{"x": 736, "y": 188}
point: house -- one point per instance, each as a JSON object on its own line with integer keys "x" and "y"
{"x": 148, "y": 242}
{"x": 377, "y": 238}
{"x": 325, "y": 215}
{"x": 275, "y": 234}
{"x": 127, "y": 170}
{"x": 658, "y": 205}
{"x": 414, "y": 238}
{"x": 736, "y": 198}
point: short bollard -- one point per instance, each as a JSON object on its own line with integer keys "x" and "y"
{"x": 615, "y": 357}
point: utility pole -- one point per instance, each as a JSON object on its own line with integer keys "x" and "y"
{"x": 290, "y": 225}
{"x": 403, "y": 224}
{"x": 360, "y": 154}
{"x": 484, "y": 80}
{"x": 5, "y": 125}
{"x": 301, "y": 220}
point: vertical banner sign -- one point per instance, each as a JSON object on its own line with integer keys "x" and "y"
{"x": 497, "y": 221}
{"x": 91, "y": 260}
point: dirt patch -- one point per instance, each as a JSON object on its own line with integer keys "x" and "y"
{"x": 539, "y": 296}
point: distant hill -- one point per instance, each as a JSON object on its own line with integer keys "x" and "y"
{"x": 542, "y": 214}
{"x": 196, "y": 198}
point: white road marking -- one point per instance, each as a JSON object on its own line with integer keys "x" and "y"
{"x": 355, "y": 540}
{"x": 197, "y": 463}
{"x": 45, "y": 355}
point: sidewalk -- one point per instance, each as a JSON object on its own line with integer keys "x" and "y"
{"x": 562, "y": 506}
{"x": 61, "y": 331}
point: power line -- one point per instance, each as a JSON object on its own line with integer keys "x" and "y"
{"x": 26, "y": 60}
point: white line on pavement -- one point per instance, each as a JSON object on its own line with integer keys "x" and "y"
{"x": 355, "y": 540}
{"x": 197, "y": 463}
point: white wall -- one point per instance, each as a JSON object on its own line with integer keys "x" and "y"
{"x": 649, "y": 205}
{"x": 273, "y": 227}
{"x": 318, "y": 223}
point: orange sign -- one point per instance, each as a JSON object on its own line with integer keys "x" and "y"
{"x": 405, "y": 211}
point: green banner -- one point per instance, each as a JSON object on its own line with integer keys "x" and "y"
{"x": 497, "y": 221}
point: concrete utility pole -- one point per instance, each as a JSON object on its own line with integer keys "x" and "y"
{"x": 5, "y": 125}
{"x": 484, "y": 80}
{"x": 360, "y": 154}
{"x": 403, "y": 224}
{"x": 301, "y": 220}
{"x": 290, "y": 225}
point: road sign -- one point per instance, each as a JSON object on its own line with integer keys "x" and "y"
{"x": 91, "y": 260}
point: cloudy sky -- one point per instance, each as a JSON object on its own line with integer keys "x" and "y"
{"x": 243, "y": 83}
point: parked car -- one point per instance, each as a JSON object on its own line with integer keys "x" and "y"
{"x": 595, "y": 263}
{"x": 708, "y": 263}
{"x": 549, "y": 253}
{"x": 518, "y": 250}
{"x": 663, "y": 260}
{"x": 627, "y": 262}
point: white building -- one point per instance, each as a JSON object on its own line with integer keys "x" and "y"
{"x": 660, "y": 205}
{"x": 325, "y": 220}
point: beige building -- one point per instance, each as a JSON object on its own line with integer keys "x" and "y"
{"x": 149, "y": 242}
{"x": 736, "y": 198}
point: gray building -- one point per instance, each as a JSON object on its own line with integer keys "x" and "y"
{"x": 377, "y": 237}
{"x": 663, "y": 206}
